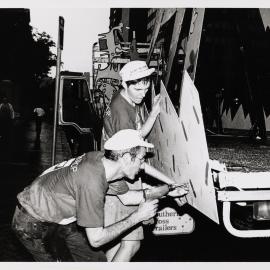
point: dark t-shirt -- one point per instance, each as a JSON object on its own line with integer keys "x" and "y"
{"x": 120, "y": 114}
{"x": 71, "y": 190}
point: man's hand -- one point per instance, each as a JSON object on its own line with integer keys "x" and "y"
{"x": 103, "y": 235}
{"x": 147, "y": 210}
{"x": 179, "y": 191}
{"x": 147, "y": 126}
{"x": 156, "y": 106}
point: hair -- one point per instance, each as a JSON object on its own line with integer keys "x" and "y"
{"x": 145, "y": 80}
{"x": 115, "y": 155}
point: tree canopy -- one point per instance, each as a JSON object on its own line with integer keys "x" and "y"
{"x": 26, "y": 58}
{"x": 42, "y": 57}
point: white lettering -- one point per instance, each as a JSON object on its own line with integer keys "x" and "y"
{"x": 58, "y": 166}
{"x": 74, "y": 166}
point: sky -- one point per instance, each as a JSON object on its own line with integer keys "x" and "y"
{"x": 82, "y": 26}
{"x": 85, "y": 19}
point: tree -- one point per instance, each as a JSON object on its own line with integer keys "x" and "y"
{"x": 42, "y": 57}
{"x": 26, "y": 58}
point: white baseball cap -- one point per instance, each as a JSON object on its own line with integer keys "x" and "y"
{"x": 134, "y": 70}
{"x": 125, "y": 139}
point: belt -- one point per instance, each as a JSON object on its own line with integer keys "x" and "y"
{"x": 69, "y": 227}
{"x": 23, "y": 210}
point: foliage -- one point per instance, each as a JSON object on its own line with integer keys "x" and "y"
{"x": 42, "y": 57}
{"x": 26, "y": 58}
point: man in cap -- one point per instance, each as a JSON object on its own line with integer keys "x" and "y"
{"x": 73, "y": 192}
{"x": 125, "y": 111}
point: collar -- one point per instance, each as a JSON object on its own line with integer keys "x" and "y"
{"x": 124, "y": 95}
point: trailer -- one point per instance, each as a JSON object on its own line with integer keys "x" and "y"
{"x": 179, "y": 136}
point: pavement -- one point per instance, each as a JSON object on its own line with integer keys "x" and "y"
{"x": 22, "y": 159}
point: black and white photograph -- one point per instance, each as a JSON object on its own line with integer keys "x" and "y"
{"x": 135, "y": 133}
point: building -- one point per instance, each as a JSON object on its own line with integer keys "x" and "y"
{"x": 129, "y": 18}
{"x": 15, "y": 46}
{"x": 230, "y": 61}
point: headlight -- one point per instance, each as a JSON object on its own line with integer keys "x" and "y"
{"x": 261, "y": 210}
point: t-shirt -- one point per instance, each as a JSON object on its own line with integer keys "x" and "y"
{"x": 120, "y": 114}
{"x": 71, "y": 190}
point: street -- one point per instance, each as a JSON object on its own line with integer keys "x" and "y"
{"x": 22, "y": 159}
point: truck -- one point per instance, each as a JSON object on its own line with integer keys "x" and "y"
{"x": 78, "y": 114}
{"x": 179, "y": 137}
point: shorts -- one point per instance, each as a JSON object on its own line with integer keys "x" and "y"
{"x": 115, "y": 210}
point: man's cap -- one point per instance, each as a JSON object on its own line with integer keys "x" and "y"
{"x": 134, "y": 70}
{"x": 125, "y": 139}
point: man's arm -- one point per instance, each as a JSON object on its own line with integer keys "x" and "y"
{"x": 132, "y": 197}
{"x": 135, "y": 197}
{"x": 147, "y": 126}
{"x": 100, "y": 236}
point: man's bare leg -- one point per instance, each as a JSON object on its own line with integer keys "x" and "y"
{"x": 110, "y": 253}
{"x": 127, "y": 250}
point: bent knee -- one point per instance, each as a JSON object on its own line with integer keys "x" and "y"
{"x": 132, "y": 246}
